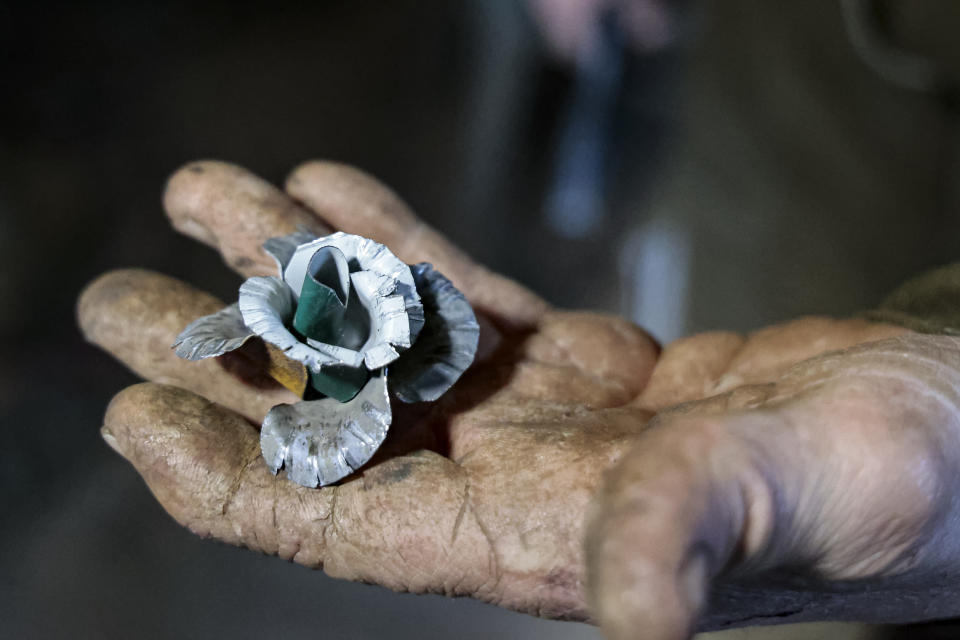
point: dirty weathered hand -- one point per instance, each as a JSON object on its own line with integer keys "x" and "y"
{"x": 834, "y": 468}
{"x": 482, "y": 494}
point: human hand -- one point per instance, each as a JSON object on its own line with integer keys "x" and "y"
{"x": 482, "y": 493}
{"x": 751, "y": 465}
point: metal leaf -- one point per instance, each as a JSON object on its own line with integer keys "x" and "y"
{"x": 213, "y": 335}
{"x": 446, "y": 346}
{"x": 322, "y": 441}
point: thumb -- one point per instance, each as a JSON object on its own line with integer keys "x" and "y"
{"x": 673, "y": 514}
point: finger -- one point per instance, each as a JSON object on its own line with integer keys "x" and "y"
{"x": 707, "y": 364}
{"x": 136, "y": 315}
{"x": 399, "y": 523}
{"x": 352, "y": 201}
{"x": 769, "y": 352}
{"x": 234, "y": 211}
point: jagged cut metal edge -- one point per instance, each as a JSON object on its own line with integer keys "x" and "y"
{"x": 213, "y": 335}
{"x": 447, "y": 344}
{"x": 282, "y": 248}
{"x": 371, "y": 256}
{"x": 389, "y": 322}
{"x": 319, "y": 442}
{"x": 267, "y": 305}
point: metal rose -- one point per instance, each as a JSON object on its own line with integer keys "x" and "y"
{"x": 341, "y": 314}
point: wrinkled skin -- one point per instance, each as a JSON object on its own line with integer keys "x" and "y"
{"x": 575, "y": 471}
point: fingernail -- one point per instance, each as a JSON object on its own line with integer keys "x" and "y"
{"x": 196, "y": 229}
{"x": 110, "y": 439}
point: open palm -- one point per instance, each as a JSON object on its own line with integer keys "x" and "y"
{"x": 689, "y": 463}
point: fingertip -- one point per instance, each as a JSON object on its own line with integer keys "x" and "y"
{"x": 672, "y": 512}
{"x": 110, "y": 439}
{"x": 125, "y": 415}
{"x": 658, "y": 595}
{"x": 188, "y": 450}
{"x": 185, "y": 191}
{"x": 89, "y": 303}
{"x": 144, "y": 418}
{"x": 319, "y": 173}
{"x": 225, "y": 206}
{"x": 190, "y": 181}
{"x": 314, "y": 172}
{"x": 126, "y": 303}
{"x": 136, "y": 315}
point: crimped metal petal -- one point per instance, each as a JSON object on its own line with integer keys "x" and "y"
{"x": 322, "y": 441}
{"x": 281, "y": 248}
{"x": 446, "y": 346}
{"x": 213, "y": 335}
{"x": 368, "y": 256}
{"x": 389, "y": 322}
{"x": 267, "y": 304}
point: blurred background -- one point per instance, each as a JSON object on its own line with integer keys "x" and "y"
{"x": 692, "y": 165}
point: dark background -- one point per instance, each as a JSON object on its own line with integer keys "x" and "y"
{"x": 768, "y": 162}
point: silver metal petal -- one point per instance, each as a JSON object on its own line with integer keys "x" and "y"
{"x": 213, "y": 335}
{"x": 281, "y": 248}
{"x": 389, "y": 323}
{"x": 367, "y": 255}
{"x": 446, "y": 346}
{"x": 267, "y": 304}
{"x": 322, "y": 441}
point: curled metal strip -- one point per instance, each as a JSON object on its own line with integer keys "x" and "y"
{"x": 446, "y": 346}
{"x": 319, "y": 442}
{"x": 267, "y": 304}
{"x": 213, "y": 335}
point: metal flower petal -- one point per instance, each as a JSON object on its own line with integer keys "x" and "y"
{"x": 267, "y": 305}
{"x": 213, "y": 335}
{"x": 322, "y": 441}
{"x": 389, "y": 322}
{"x": 366, "y": 255}
{"x": 446, "y": 346}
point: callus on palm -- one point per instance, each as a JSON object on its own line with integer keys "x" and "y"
{"x": 344, "y": 311}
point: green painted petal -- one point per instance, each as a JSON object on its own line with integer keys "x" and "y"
{"x": 322, "y": 308}
{"x": 267, "y": 305}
